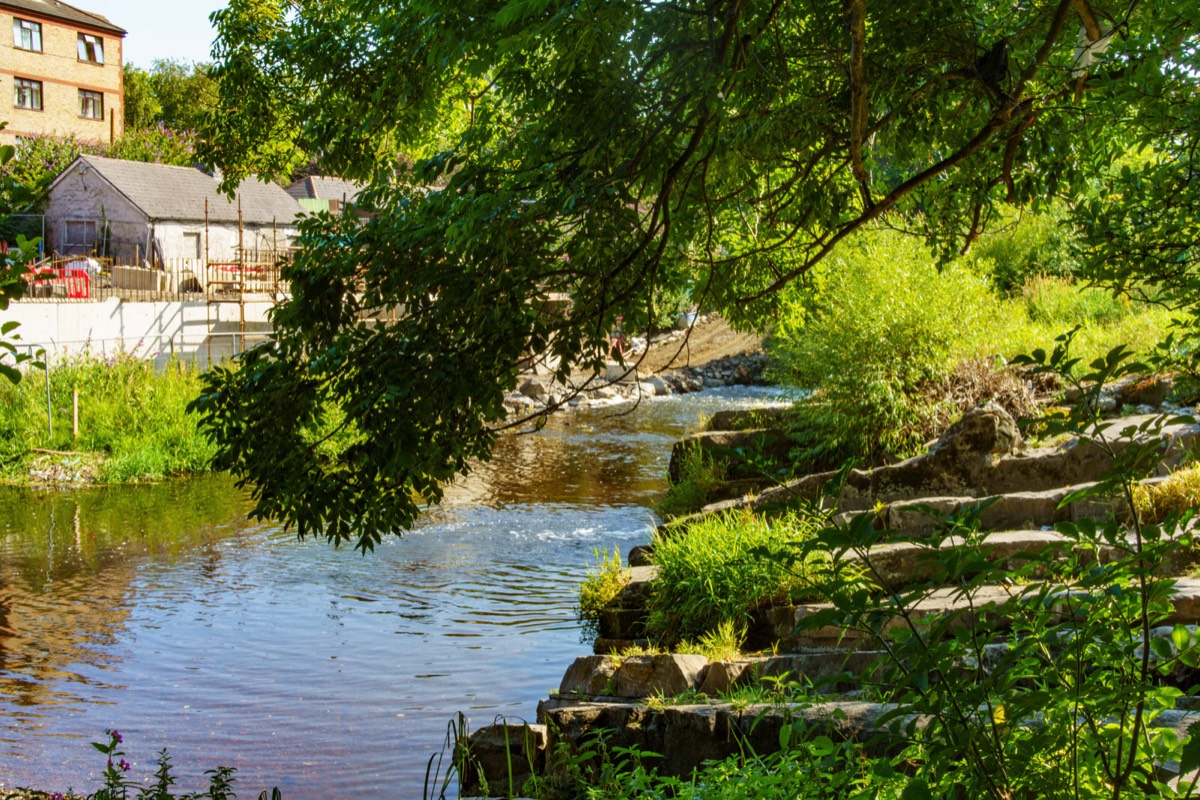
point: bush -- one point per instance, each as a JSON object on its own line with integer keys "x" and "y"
{"x": 884, "y": 322}
{"x": 893, "y": 347}
{"x": 1031, "y": 246}
{"x": 720, "y": 570}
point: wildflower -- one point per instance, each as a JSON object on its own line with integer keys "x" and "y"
{"x": 124, "y": 765}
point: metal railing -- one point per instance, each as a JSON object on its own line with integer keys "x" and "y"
{"x": 81, "y": 279}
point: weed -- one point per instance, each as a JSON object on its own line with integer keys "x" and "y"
{"x": 723, "y": 568}
{"x": 602, "y": 586}
{"x": 133, "y": 423}
{"x": 699, "y": 475}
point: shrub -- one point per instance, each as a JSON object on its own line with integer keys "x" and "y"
{"x": 892, "y": 348}
{"x": 1030, "y": 246}
{"x": 699, "y": 476}
{"x": 721, "y": 569}
{"x": 885, "y": 322}
{"x": 601, "y": 587}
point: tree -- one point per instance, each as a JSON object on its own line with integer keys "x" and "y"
{"x": 142, "y": 108}
{"x": 185, "y": 91}
{"x": 15, "y": 196}
{"x": 608, "y": 151}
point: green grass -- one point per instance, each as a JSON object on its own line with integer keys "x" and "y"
{"x": 699, "y": 476}
{"x": 601, "y": 587}
{"x": 133, "y": 423}
{"x": 720, "y": 569}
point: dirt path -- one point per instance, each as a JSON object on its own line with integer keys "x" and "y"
{"x": 711, "y": 339}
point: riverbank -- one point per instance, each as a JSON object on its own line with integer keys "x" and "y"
{"x": 101, "y": 420}
{"x": 892, "y": 597}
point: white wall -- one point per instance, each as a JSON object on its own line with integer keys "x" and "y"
{"x": 222, "y": 239}
{"x": 148, "y": 329}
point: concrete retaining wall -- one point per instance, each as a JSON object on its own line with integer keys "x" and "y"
{"x": 153, "y": 330}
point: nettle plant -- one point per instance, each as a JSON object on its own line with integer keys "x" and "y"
{"x": 1067, "y": 686}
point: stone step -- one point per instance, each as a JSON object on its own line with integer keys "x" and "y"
{"x": 688, "y": 735}
{"x": 980, "y": 456}
{"x": 894, "y": 566}
{"x": 782, "y": 623}
{"x": 1014, "y": 511}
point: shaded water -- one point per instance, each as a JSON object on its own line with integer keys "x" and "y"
{"x": 162, "y": 612}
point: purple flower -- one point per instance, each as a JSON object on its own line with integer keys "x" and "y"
{"x": 124, "y": 765}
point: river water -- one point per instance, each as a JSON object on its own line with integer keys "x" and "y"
{"x": 162, "y": 612}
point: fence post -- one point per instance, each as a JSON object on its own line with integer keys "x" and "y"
{"x": 49, "y": 414}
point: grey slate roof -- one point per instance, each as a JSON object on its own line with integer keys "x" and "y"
{"x": 60, "y": 10}
{"x": 318, "y": 187}
{"x": 177, "y": 193}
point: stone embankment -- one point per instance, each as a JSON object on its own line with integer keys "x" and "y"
{"x": 621, "y": 691}
{"x": 677, "y": 362}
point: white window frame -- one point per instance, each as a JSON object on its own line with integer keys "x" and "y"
{"x": 93, "y": 102}
{"x": 27, "y": 35}
{"x": 91, "y": 48}
{"x": 28, "y": 94}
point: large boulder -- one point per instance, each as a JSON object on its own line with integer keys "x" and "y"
{"x": 499, "y": 759}
{"x": 661, "y": 675}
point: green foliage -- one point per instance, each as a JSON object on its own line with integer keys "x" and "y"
{"x": 884, "y": 322}
{"x": 806, "y": 767}
{"x": 718, "y": 570}
{"x": 880, "y": 336}
{"x": 1030, "y": 246}
{"x": 603, "y": 584}
{"x": 1057, "y": 690}
{"x": 39, "y": 159}
{"x": 615, "y": 153}
{"x": 699, "y": 475}
{"x": 142, "y": 108}
{"x": 132, "y": 416}
{"x": 17, "y": 194}
{"x": 119, "y": 786}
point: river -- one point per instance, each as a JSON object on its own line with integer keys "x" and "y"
{"x": 162, "y": 612}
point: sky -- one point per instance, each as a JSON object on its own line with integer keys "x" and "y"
{"x": 159, "y": 28}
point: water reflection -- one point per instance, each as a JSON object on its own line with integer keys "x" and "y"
{"x": 160, "y": 611}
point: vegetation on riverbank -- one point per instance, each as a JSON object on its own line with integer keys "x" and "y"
{"x": 895, "y": 346}
{"x": 133, "y": 423}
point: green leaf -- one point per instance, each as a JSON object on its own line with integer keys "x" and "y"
{"x": 916, "y": 789}
{"x": 1189, "y": 759}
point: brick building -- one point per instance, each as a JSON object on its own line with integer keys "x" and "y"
{"x": 62, "y": 71}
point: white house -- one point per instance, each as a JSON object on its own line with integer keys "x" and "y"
{"x": 154, "y": 213}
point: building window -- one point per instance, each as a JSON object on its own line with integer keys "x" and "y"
{"x": 27, "y": 35}
{"x": 91, "y": 104}
{"x": 91, "y": 48}
{"x": 191, "y": 245}
{"x": 80, "y": 233}
{"x": 27, "y": 94}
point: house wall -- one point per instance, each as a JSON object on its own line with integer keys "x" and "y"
{"x": 178, "y": 239}
{"x": 62, "y": 75}
{"x": 83, "y": 195}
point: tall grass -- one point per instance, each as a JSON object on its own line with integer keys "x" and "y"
{"x": 133, "y": 422}
{"x": 719, "y": 570}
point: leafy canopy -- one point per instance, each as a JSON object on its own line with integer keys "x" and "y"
{"x": 613, "y": 152}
